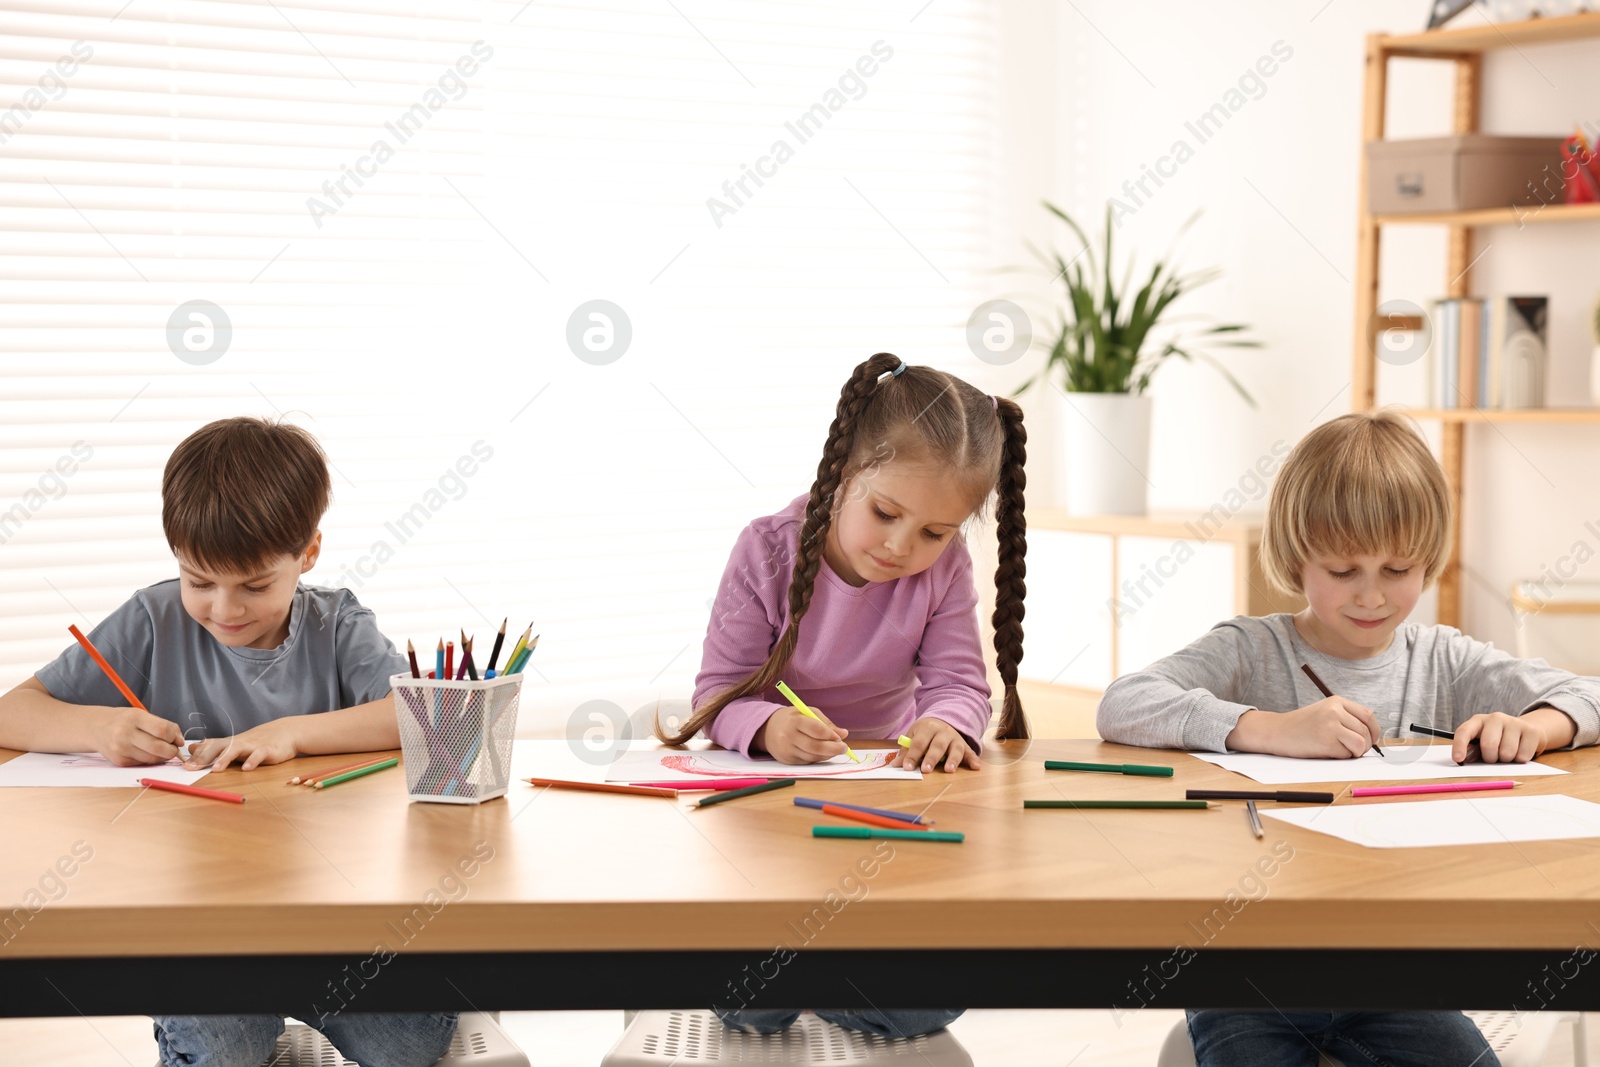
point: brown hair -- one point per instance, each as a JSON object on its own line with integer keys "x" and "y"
{"x": 926, "y": 415}
{"x": 1362, "y": 484}
{"x": 237, "y": 493}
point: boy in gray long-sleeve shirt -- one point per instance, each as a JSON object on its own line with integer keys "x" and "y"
{"x": 1359, "y": 523}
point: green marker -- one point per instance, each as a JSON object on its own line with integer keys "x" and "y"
{"x": 735, "y": 794}
{"x": 1113, "y": 768}
{"x": 896, "y": 835}
{"x": 800, "y": 705}
{"x": 1187, "y": 805}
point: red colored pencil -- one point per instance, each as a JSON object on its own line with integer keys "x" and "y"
{"x": 717, "y": 785}
{"x": 605, "y": 787}
{"x": 411, "y": 654}
{"x": 449, "y": 661}
{"x": 116, "y": 679}
{"x": 192, "y": 790}
{"x": 871, "y": 820}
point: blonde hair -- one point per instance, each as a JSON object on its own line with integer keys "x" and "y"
{"x": 1362, "y": 484}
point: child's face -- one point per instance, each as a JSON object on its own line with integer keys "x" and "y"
{"x": 895, "y": 521}
{"x": 246, "y": 610}
{"x": 1357, "y": 602}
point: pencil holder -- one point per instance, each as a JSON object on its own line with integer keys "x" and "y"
{"x": 457, "y": 736}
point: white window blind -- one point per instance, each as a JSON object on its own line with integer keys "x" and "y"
{"x": 398, "y": 207}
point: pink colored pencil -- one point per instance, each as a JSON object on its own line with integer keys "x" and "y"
{"x": 716, "y": 786}
{"x": 1453, "y": 787}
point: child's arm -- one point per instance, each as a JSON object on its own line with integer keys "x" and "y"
{"x": 952, "y": 697}
{"x": 370, "y": 727}
{"x": 33, "y": 720}
{"x": 1188, "y": 700}
{"x": 1516, "y": 709}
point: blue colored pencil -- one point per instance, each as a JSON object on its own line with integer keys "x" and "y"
{"x": 811, "y": 802}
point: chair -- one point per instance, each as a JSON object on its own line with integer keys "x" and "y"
{"x": 1517, "y": 1046}
{"x": 479, "y": 1042}
{"x": 691, "y": 1038}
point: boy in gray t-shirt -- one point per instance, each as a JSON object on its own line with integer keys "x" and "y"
{"x": 235, "y": 656}
{"x": 1359, "y": 524}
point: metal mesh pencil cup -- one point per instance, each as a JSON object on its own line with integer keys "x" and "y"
{"x": 457, "y": 736}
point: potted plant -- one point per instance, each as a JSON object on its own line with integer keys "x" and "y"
{"x": 1106, "y": 349}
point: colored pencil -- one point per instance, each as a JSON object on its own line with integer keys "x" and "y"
{"x": 411, "y": 654}
{"x": 1325, "y": 691}
{"x": 882, "y": 813}
{"x": 800, "y": 705}
{"x": 359, "y": 772}
{"x": 1443, "y": 787}
{"x": 1282, "y": 796}
{"x": 466, "y": 660}
{"x": 192, "y": 790}
{"x": 449, "y": 661}
{"x": 1187, "y": 805}
{"x": 956, "y": 837}
{"x": 1254, "y": 818}
{"x": 871, "y": 820}
{"x": 312, "y": 779}
{"x": 499, "y": 639}
{"x": 605, "y": 787}
{"x": 720, "y": 785}
{"x": 735, "y": 794}
{"x": 516, "y": 649}
{"x": 438, "y": 661}
{"x": 116, "y": 679}
{"x": 1113, "y": 768}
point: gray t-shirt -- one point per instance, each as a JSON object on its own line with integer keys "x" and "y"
{"x": 334, "y": 657}
{"x": 1430, "y": 675}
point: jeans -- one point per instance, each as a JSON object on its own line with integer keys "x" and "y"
{"x": 414, "y": 1039}
{"x": 1359, "y": 1038}
{"x": 899, "y": 1022}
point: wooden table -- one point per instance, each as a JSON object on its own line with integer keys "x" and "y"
{"x": 300, "y": 901}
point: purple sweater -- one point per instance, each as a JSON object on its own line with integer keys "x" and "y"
{"x": 873, "y": 658}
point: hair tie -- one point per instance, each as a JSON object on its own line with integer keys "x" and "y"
{"x": 994, "y": 401}
{"x": 893, "y": 373}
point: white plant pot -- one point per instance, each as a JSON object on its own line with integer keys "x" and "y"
{"x": 1106, "y": 468}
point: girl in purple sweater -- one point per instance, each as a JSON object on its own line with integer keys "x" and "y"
{"x": 872, "y": 562}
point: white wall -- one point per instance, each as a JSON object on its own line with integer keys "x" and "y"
{"x": 1278, "y": 187}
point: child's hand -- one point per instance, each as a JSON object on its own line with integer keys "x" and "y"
{"x": 271, "y": 742}
{"x": 1506, "y": 738}
{"x": 933, "y": 740}
{"x": 131, "y": 737}
{"x": 1332, "y": 728}
{"x": 790, "y": 737}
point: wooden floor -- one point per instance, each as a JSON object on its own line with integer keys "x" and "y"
{"x": 581, "y": 1039}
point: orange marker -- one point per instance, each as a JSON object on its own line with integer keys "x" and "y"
{"x": 868, "y": 818}
{"x": 116, "y": 679}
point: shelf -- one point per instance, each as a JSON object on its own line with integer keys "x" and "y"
{"x": 1480, "y": 38}
{"x": 1179, "y": 526}
{"x": 1550, "y": 415}
{"x": 1497, "y": 216}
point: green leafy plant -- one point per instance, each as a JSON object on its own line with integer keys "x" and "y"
{"x": 1104, "y": 341}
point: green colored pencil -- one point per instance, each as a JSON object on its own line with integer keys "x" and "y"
{"x": 1114, "y": 768}
{"x": 897, "y": 835}
{"x": 358, "y": 772}
{"x": 1187, "y": 805}
{"x": 734, "y": 794}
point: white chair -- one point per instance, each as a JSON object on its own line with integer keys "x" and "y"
{"x": 479, "y": 1042}
{"x": 691, "y": 1038}
{"x": 1522, "y": 1045}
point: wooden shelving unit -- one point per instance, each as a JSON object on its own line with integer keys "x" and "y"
{"x": 1464, "y": 49}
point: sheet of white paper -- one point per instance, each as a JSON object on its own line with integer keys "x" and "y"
{"x": 1400, "y": 763}
{"x": 87, "y": 768}
{"x": 1424, "y": 823}
{"x": 677, "y": 765}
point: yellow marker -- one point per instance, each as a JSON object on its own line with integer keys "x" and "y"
{"x": 800, "y": 706}
{"x": 905, "y": 740}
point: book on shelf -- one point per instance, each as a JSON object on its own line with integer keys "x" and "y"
{"x": 1488, "y": 353}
